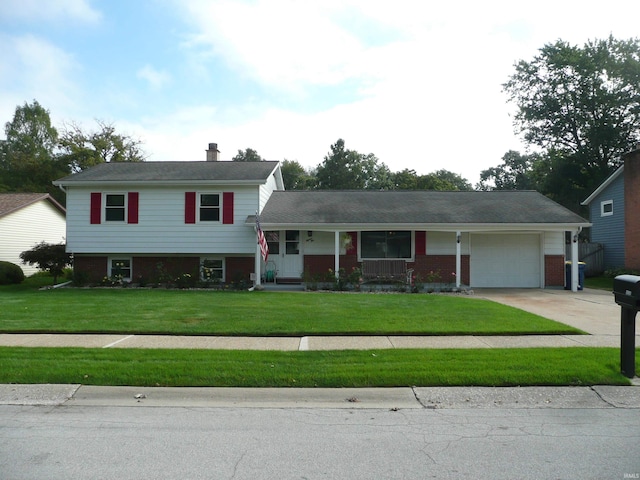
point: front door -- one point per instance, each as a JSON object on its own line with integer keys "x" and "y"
{"x": 285, "y": 252}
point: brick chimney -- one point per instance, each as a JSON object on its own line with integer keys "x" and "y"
{"x": 632, "y": 209}
{"x": 213, "y": 152}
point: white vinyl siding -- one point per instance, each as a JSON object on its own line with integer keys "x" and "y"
{"x": 554, "y": 243}
{"x": 161, "y": 225}
{"x": 444, "y": 243}
{"x": 25, "y": 228}
{"x": 265, "y": 191}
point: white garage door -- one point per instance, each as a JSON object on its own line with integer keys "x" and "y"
{"x": 505, "y": 261}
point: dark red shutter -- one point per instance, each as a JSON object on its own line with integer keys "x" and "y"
{"x": 227, "y": 208}
{"x": 421, "y": 243}
{"x": 132, "y": 207}
{"x": 353, "y": 248}
{"x": 96, "y": 207}
{"x": 190, "y": 207}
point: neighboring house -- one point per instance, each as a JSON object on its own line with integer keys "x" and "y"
{"x": 27, "y": 219}
{"x": 199, "y": 218}
{"x": 614, "y": 209}
{"x": 606, "y": 212}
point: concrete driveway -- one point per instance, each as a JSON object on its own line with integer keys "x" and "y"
{"x": 594, "y": 311}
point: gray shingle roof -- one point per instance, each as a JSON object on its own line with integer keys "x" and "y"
{"x": 171, "y": 172}
{"x": 10, "y": 202}
{"x": 414, "y": 207}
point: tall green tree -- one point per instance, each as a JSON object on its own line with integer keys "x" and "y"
{"x": 28, "y": 157}
{"x": 82, "y": 149}
{"x": 295, "y": 177}
{"x": 581, "y": 106}
{"x": 344, "y": 169}
{"x": 248, "y": 155}
{"x": 516, "y": 172}
{"x": 452, "y": 181}
{"x": 406, "y": 179}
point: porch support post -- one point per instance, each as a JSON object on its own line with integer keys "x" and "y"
{"x": 336, "y": 247}
{"x": 458, "y": 258}
{"x": 574, "y": 261}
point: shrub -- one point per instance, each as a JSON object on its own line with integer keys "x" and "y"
{"x": 10, "y": 273}
{"x": 51, "y": 258}
{"x": 620, "y": 271}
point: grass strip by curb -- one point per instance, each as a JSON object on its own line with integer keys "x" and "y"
{"x": 350, "y": 368}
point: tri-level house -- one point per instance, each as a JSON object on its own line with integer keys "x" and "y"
{"x": 199, "y": 218}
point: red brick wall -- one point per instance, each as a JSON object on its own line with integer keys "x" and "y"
{"x": 444, "y": 265}
{"x": 150, "y": 269}
{"x": 239, "y": 268}
{"x": 318, "y": 265}
{"x": 554, "y": 270}
{"x": 632, "y": 210}
{"x": 93, "y": 268}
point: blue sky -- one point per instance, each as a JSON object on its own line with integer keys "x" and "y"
{"x": 416, "y": 83}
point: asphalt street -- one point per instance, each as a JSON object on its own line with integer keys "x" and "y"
{"x": 134, "y": 442}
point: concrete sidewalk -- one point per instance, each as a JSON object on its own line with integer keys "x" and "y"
{"x": 602, "y": 396}
{"x": 307, "y": 343}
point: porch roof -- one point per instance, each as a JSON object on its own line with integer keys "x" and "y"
{"x": 448, "y": 210}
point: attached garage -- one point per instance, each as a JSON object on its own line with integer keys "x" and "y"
{"x": 506, "y": 260}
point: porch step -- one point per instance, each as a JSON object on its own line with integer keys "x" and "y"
{"x": 289, "y": 281}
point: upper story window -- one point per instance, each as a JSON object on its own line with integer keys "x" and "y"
{"x": 385, "y": 244}
{"x": 209, "y": 207}
{"x": 114, "y": 207}
{"x": 606, "y": 208}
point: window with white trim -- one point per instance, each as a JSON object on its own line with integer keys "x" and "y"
{"x": 120, "y": 268}
{"x": 115, "y": 207}
{"x": 385, "y": 244}
{"x": 212, "y": 270}
{"x": 606, "y": 208}
{"x": 209, "y": 210}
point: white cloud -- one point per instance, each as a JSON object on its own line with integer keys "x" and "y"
{"x": 283, "y": 44}
{"x": 157, "y": 79}
{"x": 428, "y": 75}
{"x": 49, "y": 11}
{"x": 32, "y": 68}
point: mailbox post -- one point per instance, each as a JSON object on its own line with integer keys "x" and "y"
{"x": 626, "y": 289}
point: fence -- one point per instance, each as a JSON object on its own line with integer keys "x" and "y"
{"x": 592, "y": 254}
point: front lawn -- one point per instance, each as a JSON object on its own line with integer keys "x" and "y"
{"x": 202, "y": 312}
{"x": 368, "y": 368}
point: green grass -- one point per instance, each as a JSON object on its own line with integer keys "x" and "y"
{"x": 26, "y": 309}
{"x": 601, "y": 283}
{"x": 380, "y": 368}
{"x": 190, "y": 312}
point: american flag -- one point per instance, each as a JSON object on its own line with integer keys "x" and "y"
{"x": 262, "y": 241}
